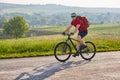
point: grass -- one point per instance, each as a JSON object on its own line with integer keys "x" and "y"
{"x": 35, "y": 46}
{"x": 106, "y": 37}
{"x": 106, "y": 43}
{"x": 105, "y": 29}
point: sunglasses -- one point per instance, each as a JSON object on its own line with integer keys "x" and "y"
{"x": 73, "y": 16}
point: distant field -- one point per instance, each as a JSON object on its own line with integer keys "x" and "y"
{"x": 106, "y": 37}
{"x": 94, "y": 30}
{"x": 99, "y": 29}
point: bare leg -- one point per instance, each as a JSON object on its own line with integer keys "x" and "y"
{"x": 80, "y": 42}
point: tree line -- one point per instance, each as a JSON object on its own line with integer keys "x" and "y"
{"x": 62, "y": 19}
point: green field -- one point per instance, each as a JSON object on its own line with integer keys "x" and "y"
{"x": 106, "y": 37}
{"x": 99, "y": 29}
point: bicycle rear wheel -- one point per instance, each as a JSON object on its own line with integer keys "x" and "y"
{"x": 62, "y": 51}
{"x": 89, "y": 52}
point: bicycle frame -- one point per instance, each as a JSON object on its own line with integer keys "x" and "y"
{"x": 71, "y": 40}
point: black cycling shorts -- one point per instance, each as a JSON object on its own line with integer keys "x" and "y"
{"x": 82, "y": 34}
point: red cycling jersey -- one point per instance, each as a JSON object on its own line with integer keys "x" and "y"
{"x": 79, "y": 22}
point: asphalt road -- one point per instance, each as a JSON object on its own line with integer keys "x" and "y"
{"x": 105, "y": 66}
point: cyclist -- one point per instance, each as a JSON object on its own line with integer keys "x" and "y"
{"x": 83, "y": 31}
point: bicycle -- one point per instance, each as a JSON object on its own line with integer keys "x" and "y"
{"x": 64, "y": 48}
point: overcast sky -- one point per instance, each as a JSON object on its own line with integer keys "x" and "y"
{"x": 79, "y": 3}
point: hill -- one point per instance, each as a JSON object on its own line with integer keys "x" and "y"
{"x": 57, "y": 15}
{"x": 51, "y": 8}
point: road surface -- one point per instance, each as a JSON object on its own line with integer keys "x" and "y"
{"x": 105, "y": 66}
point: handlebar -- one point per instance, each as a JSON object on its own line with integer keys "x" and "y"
{"x": 68, "y": 34}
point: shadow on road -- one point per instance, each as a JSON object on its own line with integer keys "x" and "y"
{"x": 45, "y": 71}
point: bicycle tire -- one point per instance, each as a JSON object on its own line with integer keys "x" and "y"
{"x": 57, "y": 47}
{"x": 94, "y": 51}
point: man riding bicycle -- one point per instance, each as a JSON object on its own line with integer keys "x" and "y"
{"x": 79, "y": 25}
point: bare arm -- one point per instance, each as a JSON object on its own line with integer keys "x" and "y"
{"x": 76, "y": 28}
{"x": 68, "y": 28}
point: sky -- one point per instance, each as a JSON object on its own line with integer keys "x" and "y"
{"x": 77, "y": 3}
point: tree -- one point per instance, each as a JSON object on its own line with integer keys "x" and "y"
{"x": 15, "y": 27}
{"x": 2, "y": 19}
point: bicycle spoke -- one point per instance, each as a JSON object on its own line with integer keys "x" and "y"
{"x": 62, "y": 49}
{"x": 89, "y": 52}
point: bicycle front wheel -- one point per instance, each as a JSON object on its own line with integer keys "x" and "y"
{"x": 62, "y": 51}
{"x": 89, "y": 52}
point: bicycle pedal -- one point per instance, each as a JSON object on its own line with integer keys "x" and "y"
{"x": 74, "y": 55}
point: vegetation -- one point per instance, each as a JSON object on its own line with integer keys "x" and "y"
{"x": 42, "y": 46}
{"x": 106, "y": 37}
{"x": 41, "y": 39}
{"x": 15, "y": 27}
{"x": 57, "y": 15}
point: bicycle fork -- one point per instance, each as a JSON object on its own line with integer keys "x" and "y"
{"x": 65, "y": 47}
